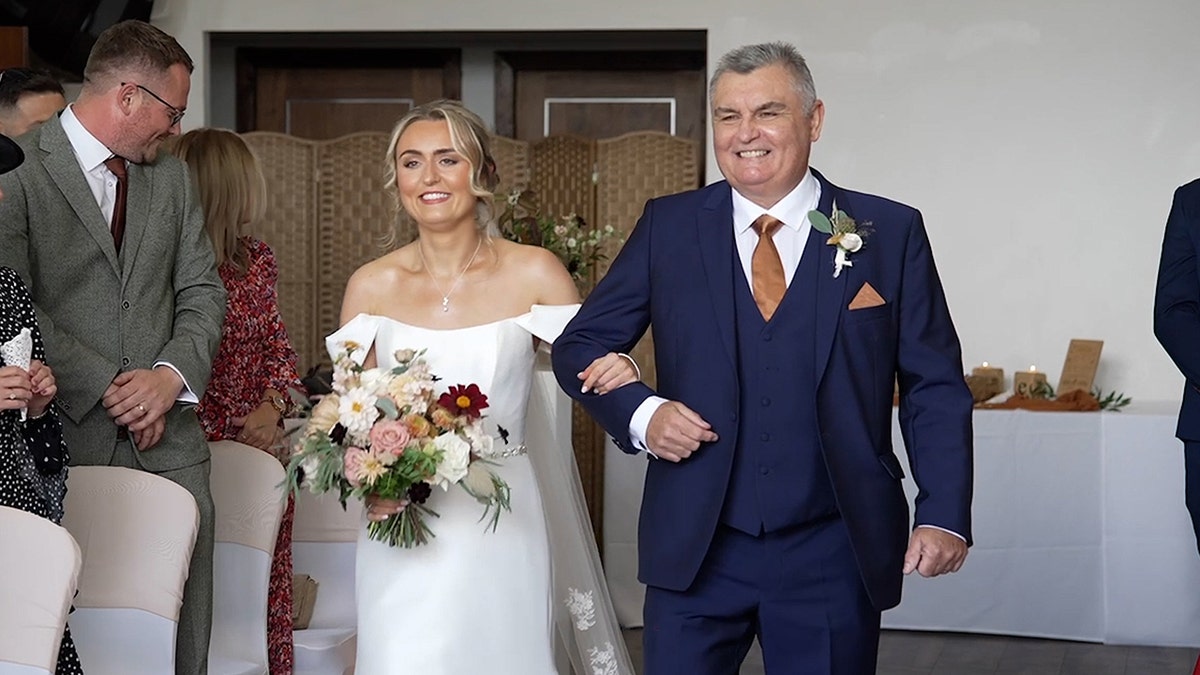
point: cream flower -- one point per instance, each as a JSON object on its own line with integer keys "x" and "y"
{"x": 455, "y": 460}
{"x": 324, "y": 414}
{"x": 851, "y": 242}
{"x": 357, "y": 412}
{"x": 478, "y": 481}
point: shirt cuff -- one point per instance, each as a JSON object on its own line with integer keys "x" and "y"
{"x": 641, "y": 421}
{"x": 935, "y": 527}
{"x": 186, "y": 395}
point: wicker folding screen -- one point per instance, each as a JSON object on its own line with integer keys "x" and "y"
{"x": 355, "y": 216}
{"x": 512, "y": 162}
{"x": 633, "y": 168}
{"x": 563, "y": 170}
{"x": 289, "y": 227}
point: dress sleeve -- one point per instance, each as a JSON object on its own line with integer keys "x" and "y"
{"x": 546, "y": 322}
{"x": 360, "y": 330}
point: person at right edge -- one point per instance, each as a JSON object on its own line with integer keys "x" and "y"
{"x": 773, "y": 508}
{"x": 1177, "y": 327}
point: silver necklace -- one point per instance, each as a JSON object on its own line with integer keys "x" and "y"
{"x": 446, "y": 295}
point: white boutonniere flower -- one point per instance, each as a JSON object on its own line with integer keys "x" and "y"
{"x": 847, "y": 235}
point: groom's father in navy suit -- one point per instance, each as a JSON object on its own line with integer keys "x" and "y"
{"x": 1177, "y": 326}
{"x": 774, "y": 508}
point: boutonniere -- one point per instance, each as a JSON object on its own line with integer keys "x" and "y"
{"x": 843, "y": 232}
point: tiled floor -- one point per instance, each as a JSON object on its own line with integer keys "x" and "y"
{"x": 917, "y": 653}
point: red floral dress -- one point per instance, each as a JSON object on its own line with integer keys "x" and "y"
{"x": 255, "y": 355}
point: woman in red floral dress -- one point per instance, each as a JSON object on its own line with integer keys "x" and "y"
{"x": 255, "y": 364}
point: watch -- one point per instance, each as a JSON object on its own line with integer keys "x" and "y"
{"x": 277, "y": 402}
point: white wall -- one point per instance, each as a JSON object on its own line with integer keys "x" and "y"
{"x": 1041, "y": 140}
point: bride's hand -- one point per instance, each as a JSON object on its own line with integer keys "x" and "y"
{"x": 608, "y": 373}
{"x": 379, "y": 508}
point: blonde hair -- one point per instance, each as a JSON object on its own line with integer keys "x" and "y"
{"x": 231, "y": 187}
{"x": 469, "y": 137}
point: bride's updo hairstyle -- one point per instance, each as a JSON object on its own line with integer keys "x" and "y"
{"x": 469, "y": 136}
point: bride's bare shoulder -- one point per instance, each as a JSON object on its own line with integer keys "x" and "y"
{"x": 393, "y": 267}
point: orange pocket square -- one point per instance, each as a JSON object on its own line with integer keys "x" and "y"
{"x": 866, "y": 297}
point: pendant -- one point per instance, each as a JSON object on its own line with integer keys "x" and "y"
{"x": 445, "y": 303}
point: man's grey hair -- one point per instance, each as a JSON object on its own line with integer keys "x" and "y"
{"x": 749, "y": 58}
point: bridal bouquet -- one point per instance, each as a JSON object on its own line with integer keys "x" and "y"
{"x": 389, "y": 432}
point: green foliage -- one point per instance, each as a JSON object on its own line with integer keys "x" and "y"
{"x": 1114, "y": 400}
{"x": 578, "y": 245}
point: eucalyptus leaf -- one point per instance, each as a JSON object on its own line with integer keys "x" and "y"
{"x": 820, "y": 222}
{"x": 387, "y": 407}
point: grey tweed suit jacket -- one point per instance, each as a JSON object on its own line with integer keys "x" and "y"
{"x": 160, "y": 299}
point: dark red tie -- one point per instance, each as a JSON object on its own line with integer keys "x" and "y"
{"x": 766, "y": 270}
{"x": 117, "y": 166}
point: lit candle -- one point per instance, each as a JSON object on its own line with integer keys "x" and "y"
{"x": 996, "y": 375}
{"x": 1029, "y": 383}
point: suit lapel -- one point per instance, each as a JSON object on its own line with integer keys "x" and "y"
{"x": 63, "y": 168}
{"x": 714, "y": 233}
{"x": 137, "y": 213}
{"x": 831, "y": 293}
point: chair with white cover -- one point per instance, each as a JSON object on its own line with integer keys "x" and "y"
{"x": 39, "y": 565}
{"x": 136, "y": 531}
{"x": 324, "y": 538}
{"x": 247, "y": 489}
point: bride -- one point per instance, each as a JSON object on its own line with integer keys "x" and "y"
{"x": 473, "y": 601}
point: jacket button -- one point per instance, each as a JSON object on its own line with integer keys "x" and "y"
{"x": 124, "y": 360}
{"x": 764, "y": 436}
{"x": 766, "y": 401}
{"x": 125, "y": 305}
{"x": 766, "y": 471}
{"x": 767, "y": 337}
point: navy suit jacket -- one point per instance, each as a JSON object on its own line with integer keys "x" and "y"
{"x": 676, "y": 275}
{"x": 1177, "y": 301}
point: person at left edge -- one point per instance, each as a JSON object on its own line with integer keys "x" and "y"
{"x": 131, "y": 307}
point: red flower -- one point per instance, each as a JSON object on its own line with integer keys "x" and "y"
{"x": 464, "y": 400}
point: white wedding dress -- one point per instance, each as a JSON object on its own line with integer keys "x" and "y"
{"x": 473, "y": 601}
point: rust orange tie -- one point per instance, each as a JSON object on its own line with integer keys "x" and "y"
{"x": 765, "y": 267}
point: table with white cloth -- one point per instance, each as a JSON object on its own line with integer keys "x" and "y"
{"x": 1080, "y": 530}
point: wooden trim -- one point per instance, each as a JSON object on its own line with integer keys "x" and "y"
{"x": 605, "y": 60}
{"x": 506, "y": 98}
{"x": 250, "y": 59}
{"x": 14, "y": 47}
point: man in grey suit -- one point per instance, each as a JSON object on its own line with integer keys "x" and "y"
{"x": 110, "y": 240}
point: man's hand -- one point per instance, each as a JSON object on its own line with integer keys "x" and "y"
{"x": 136, "y": 398}
{"x": 150, "y": 436}
{"x": 932, "y": 552}
{"x": 676, "y": 431}
{"x": 44, "y": 387}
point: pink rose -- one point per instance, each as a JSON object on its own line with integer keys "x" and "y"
{"x": 390, "y": 437}
{"x": 354, "y": 465}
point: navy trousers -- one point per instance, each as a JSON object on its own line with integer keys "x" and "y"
{"x": 798, "y": 591}
{"x": 1191, "y": 490}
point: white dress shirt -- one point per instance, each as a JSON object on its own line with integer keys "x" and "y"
{"x": 91, "y": 155}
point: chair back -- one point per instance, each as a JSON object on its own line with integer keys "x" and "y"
{"x": 39, "y": 565}
{"x": 136, "y": 531}
{"x": 247, "y": 490}
{"x": 324, "y": 539}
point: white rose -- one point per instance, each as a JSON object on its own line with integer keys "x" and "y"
{"x": 455, "y": 460}
{"x": 482, "y": 442}
{"x": 851, "y": 242}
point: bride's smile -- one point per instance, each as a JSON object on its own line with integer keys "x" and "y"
{"x": 432, "y": 178}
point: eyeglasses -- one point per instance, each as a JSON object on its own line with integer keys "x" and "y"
{"x": 176, "y": 113}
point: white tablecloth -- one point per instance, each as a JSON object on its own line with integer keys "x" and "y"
{"x": 1080, "y": 533}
